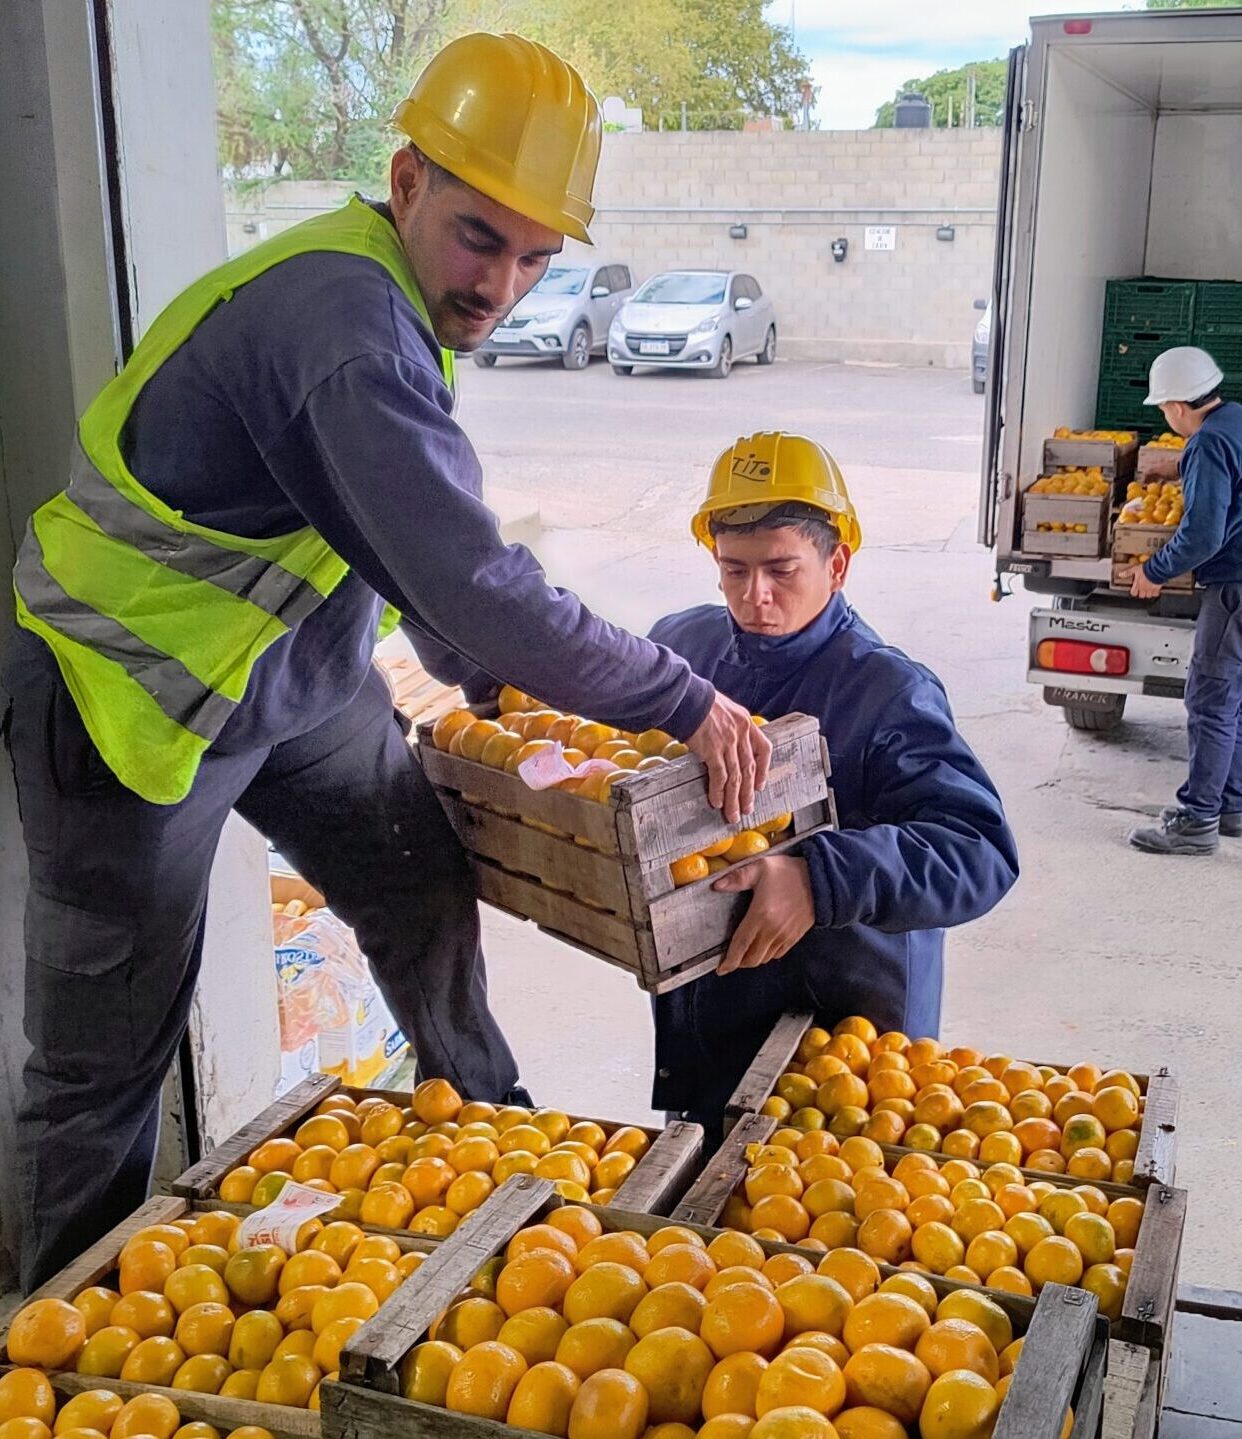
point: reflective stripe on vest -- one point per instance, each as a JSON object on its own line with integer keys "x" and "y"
{"x": 156, "y": 622}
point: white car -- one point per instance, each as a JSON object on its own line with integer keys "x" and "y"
{"x": 565, "y": 317}
{"x": 693, "y": 320}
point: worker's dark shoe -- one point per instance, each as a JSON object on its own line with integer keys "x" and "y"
{"x": 1180, "y": 832}
{"x": 1230, "y": 824}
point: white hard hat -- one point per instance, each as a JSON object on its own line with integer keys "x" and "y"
{"x": 1184, "y": 373}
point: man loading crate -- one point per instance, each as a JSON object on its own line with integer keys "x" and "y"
{"x": 199, "y": 608}
{"x": 1185, "y": 382}
{"x": 854, "y": 925}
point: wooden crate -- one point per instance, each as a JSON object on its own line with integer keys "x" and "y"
{"x": 1147, "y": 1313}
{"x": 600, "y": 880}
{"x": 1117, "y": 461}
{"x": 1065, "y": 1349}
{"x": 1155, "y": 1163}
{"x": 222, "y": 1413}
{"x": 657, "y": 1181}
{"x": 1134, "y": 543}
{"x": 1053, "y": 544}
{"x": 1158, "y": 463}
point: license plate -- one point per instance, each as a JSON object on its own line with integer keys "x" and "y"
{"x": 653, "y": 347}
{"x": 505, "y": 337}
{"x": 1079, "y": 699}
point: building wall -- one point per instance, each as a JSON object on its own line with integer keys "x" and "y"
{"x": 668, "y": 200}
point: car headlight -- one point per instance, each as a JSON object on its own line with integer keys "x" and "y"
{"x": 545, "y": 317}
{"x": 706, "y": 327}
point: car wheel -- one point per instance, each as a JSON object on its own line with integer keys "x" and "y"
{"x": 623, "y": 369}
{"x": 1096, "y": 721}
{"x": 484, "y": 362}
{"x": 978, "y": 386}
{"x": 720, "y": 370}
{"x": 578, "y": 355}
{"x": 767, "y": 356}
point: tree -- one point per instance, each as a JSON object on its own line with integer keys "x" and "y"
{"x": 305, "y": 86}
{"x": 948, "y": 89}
{"x": 1184, "y": 5}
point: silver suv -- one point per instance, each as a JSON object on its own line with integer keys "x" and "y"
{"x": 565, "y": 317}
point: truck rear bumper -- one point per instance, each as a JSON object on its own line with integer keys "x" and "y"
{"x": 1158, "y": 650}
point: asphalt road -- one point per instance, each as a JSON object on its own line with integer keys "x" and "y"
{"x": 1100, "y": 952}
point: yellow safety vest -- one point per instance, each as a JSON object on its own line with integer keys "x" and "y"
{"x": 156, "y": 622}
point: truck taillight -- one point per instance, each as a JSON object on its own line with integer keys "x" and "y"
{"x": 1079, "y": 657}
{"x": 1077, "y": 27}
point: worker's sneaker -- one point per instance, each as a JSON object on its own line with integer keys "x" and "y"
{"x": 1180, "y": 832}
{"x": 1230, "y": 824}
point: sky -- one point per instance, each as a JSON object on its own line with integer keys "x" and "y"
{"x": 862, "y": 50}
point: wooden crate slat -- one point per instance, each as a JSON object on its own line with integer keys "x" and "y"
{"x": 203, "y": 1178}
{"x": 1130, "y": 1386}
{"x": 585, "y": 874}
{"x": 1156, "y": 1160}
{"x": 1056, "y": 1348}
{"x": 351, "y": 1412}
{"x": 759, "y": 1081}
{"x": 605, "y": 935}
{"x": 376, "y": 1350}
{"x": 705, "y": 1201}
{"x": 1151, "y": 1293}
{"x": 1089, "y": 1400}
{"x": 664, "y": 1172}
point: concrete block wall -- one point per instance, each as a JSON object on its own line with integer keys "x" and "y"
{"x": 668, "y": 200}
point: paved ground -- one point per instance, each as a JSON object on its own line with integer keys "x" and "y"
{"x": 1099, "y": 952}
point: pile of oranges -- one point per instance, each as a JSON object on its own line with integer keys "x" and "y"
{"x": 990, "y": 1227}
{"x": 425, "y": 1167}
{"x": 1116, "y": 437}
{"x": 1074, "y": 481}
{"x": 191, "y": 1310}
{"x": 596, "y": 1335}
{"x": 1154, "y": 503}
{"x": 29, "y": 1410}
{"x": 959, "y": 1102}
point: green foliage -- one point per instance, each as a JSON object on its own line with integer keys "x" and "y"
{"x": 305, "y": 86}
{"x": 947, "y": 91}
{"x": 1185, "y": 5}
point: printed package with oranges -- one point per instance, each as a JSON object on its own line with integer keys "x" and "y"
{"x": 420, "y": 1163}
{"x": 595, "y": 1324}
{"x": 618, "y": 857}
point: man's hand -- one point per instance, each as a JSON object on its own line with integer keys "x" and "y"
{"x": 736, "y": 754}
{"x": 1141, "y": 588}
{"x": 781, "y": 911}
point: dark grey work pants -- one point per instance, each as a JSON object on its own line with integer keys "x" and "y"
{"x": 114, "y": 929}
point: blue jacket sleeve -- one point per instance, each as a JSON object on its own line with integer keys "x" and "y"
{"x": 938, "y": 851}
{"x": 375, "y": 462}
{"x": 1207, "y": 486}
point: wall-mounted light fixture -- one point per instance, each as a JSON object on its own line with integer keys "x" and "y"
{"x": 737, "y": 232}
{"x": 840, "y": 248}
{"x": 250, "y": 228}
{"x": 945, "y": 232}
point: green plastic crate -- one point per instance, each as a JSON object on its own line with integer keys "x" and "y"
{"x": 1218, "y": 309}
{"x": 1225, "y": 349}
{"x": 1124, "y": 359}
{"x": 1151, "y": 309}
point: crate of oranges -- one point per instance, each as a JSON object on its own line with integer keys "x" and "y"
{"x": 238, "y": 1336}
{"x": 1085, "y": 1120}
{"x": 618, "y": 861}
{"x": 993, "y": 1225}
{"x": 419, "y": 1163}
{"x": 37, "y": 1405}
{"x": 597, "y": 1324}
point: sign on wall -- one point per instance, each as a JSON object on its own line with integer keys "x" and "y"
{"x": 880, "y": 237}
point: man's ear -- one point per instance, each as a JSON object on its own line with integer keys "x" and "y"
{"x": 408, "y": 176}
{"x": 839, "y": 565}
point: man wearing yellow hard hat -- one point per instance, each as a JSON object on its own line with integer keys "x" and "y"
{"x": 854, "y": 923}
{"x": 274, "y": 476}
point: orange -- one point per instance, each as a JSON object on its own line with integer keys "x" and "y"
{"x": 673, "y": 1367}
{"x": 205, "y": 1329}
{"x": 1089, "y": 1163}
{"x": 1085, "y": 1076}
{"x": 930, "y": 1209}
{"x": 380, "y": 1276}
{"x": 816, "y": 1339}
{"x": 145, "y": 1264}
{"x": 484, "y": 1380}
{"x": 428, "y": 1181}
{"x": 962, "y": 1143}
{"x": 389, "y": 1206}
{"x": 539, "y": 1279}
{"x": 326, "y": 1130}
{"x": 195, "y": 1284}
{"x": 1076, "y": 1102}
{"x": 1055, "y": 1260}
{"x": 979, "y": 1310}
{"x": 1031, "y": 1104}
{"x": 274, "y": 1154}
{"x": 1060, "y": 1206}
{"x": 535, "y": 1333}
{"x": 782, "y": 1267}
{"x": 154, "y": 1361}
{"x": 536, "y": 1237}
{"x": 937, "y": 1246}
{"x": 204, "y": 1373}
{"x": 146, "y": 1313}
{"x": 1126, "y": 1215}
{"x": 435, "y": 1101}
{"x": 544, "y": 1398}
{"x": 254, "y": 1340}
{"x": 959, "y": 1405}
{"x": 288, "y": 1379}
{"x": 892, "y": 1319}
{"x": 1009, "y": 1278}
{"x": 604, "y": 1291}
{"x": 152, "y": 1414}
{"x": 47, "y": 1334}
{"x": 815, "y": 1302}
{"x": 348, "y": 1299}
{"x": 668, "y": 1306}
{"x": 736, "y": 1250}
{"x": 733, "y": 1385}
{"x": 794, "y": 1421}
{"x": 1108, "y": 1283}
{"x": 312, "y": 1266}
{"x": 328, "y": 1345}
{"x": 579, "y": 1224}
{"x": 611, "y": 1404}
{"x": 426, "y": 1370}
{"x": 688, "y": 869}
{"x": 1016, "y": 1199}
{"x": 746, "y": 846}
{"x": 241, "y": 1384}
{"x": 886, "y": 1235}
{"x": 25, "y": 1428}
{"x": 26, "y": 1394}
{"x": 559, "y": 1164}
{"x": 1121, "y": 1144}
{"x": 783, "y": 1215}
{"x": 801, "y": 1376}
{"x": 449, "y": 724}
{"x": 957, "y": 1344}
{"x": 884, "y": 1377}
{"x": 864, "y": 1422}
{"x": 95, "y": 1305}
{"x": 1027, "y": 1230}
{"x": 1093, "y": 1236}
{"x": 915, "y": 1287}
{"x": 857, "y": 1025}
{"x": 94, "y": 1409}
{"x": 593, "y": 1345}
{"x": 253, "y": 1275}
{"x": 856, "y": 1272}
{"x": 743, "y": 1318}
{"x": 976, "y": 1217}
{"x": 681, "y": 1264}
{"x": 992, "y": 1250}
{"x": 1046, "y": 1161}
{"x": 338, "y": 1240}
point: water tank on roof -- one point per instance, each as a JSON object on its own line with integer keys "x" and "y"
{"x": 913, "y": 112}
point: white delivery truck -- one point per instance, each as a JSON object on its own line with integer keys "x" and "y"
{"x": 1123, "y": 158}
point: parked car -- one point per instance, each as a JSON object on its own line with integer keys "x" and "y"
{"x": 693, "y": 320}
{"x": 564, "y": 317}
{"x": 979, "y": 348}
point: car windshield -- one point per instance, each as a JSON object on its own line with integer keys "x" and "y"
{"x": 703, "y": 288}
{"x": 561, "y": 280}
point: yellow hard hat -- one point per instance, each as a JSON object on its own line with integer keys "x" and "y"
{"x": 772, "y": 468}
{"x": 510, "y": 118}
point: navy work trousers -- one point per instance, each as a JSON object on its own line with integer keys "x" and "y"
{"x": 114, "y": 929}
{"x": 1214, "y": 707}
